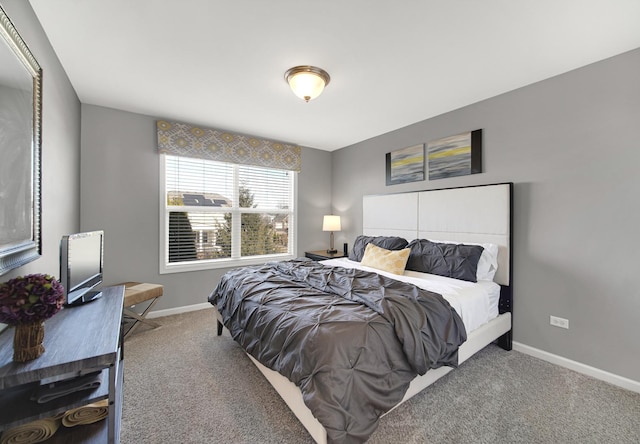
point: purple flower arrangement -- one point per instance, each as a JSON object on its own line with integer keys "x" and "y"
{"x": 30, "y": 298}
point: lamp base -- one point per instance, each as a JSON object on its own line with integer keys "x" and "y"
{"x": 332, "y": 251}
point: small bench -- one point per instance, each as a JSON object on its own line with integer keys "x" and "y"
{"x": 136, "y": 293}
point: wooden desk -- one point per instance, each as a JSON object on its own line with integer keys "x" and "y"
{"x": 76, "y": 340}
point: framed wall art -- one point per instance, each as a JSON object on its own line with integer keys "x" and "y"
{"x": 20, "y": 130}
{"x": 458, "y": 155}
{"x": 405, "y": 165}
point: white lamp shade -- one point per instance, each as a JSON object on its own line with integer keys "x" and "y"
{"x": 331, "y": 223}
{"x": 307, "y": 82}
{"x": 306, "y": 85}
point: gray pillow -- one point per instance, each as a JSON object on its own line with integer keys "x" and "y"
{"x": 458, "y": 261}
{"x": 386, "y": 242}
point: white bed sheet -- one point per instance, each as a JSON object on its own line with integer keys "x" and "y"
{"x": 475, "y": 302}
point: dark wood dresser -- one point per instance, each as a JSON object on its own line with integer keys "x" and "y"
{"x": 77, "y": 340}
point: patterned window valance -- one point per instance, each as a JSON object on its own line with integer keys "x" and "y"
{"x": 181, "y": 139}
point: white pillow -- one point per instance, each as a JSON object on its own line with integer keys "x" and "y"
{"x": 488, "y": 263}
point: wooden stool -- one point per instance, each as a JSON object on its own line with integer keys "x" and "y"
{"x": 136, "y": 293}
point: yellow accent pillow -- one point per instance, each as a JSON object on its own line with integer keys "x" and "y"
{"x": 392, "y": 261}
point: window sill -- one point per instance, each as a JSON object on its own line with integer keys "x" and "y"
{"x": 183, "y": 267}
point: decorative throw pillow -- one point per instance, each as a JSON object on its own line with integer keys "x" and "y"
{"x": 458, "y": 261}
{"x": 386, "y": 242}
{"x": 386, "y": 260}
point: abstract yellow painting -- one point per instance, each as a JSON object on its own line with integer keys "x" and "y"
{"x": 458, "y": 155}
{"x": 405, "y": 165}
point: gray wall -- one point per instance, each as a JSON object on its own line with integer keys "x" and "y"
{"x": 60, "y": 143}
{"x": 119, "y": 194}
{"x": 570, "y": 145}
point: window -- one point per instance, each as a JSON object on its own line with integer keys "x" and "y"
{"x": 216, "y": 214}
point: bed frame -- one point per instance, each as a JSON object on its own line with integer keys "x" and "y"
{"x": 480, "y": 214}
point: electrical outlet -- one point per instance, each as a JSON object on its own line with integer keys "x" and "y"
{"x": 559, "y": 322}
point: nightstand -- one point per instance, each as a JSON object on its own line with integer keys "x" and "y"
{"x": 322, "y": 255}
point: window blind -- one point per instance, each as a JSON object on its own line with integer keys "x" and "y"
{"x": 219, "y": 211}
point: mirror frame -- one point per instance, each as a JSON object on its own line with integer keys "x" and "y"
{"x": 21, "y": 251}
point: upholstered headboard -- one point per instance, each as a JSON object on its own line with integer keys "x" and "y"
{"x": 478, "y": 214}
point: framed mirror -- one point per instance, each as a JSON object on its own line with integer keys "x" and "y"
{"x": 20, "y": 131}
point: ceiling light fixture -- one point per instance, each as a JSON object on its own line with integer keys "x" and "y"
{"x": 307, "y": 82}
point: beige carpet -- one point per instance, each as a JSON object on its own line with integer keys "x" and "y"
{"x": 184, "y": 384}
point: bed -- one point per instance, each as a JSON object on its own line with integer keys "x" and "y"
{"x": 477, "y": 219}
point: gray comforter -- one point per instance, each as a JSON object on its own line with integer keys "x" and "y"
{"x": 350, "y": 339}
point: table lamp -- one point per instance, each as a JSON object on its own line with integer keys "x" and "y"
{"x": 331, "y": 223}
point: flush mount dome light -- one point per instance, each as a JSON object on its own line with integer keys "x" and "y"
{"x": 307, "y": 82}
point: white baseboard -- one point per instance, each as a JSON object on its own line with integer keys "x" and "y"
{"x": 178, "y": 310}
{"x": 596, "y": 373}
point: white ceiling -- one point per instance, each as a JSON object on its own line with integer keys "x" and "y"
{"x": 221, "y": 63}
